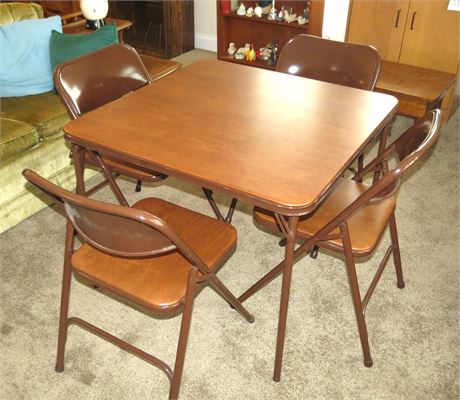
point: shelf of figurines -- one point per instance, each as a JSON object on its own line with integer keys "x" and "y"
{"x": 264, "y": 19}
{"x": 270, "y": 15}
{"x": 264, "y": 57}
{"x": 256, "y": 63}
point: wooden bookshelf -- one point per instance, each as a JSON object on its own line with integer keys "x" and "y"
{"x": 260, "y": 31}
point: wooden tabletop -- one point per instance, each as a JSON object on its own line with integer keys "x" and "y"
{"x": 274, "y": 140}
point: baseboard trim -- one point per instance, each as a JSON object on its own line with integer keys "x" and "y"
{"x": 205, "y": 42}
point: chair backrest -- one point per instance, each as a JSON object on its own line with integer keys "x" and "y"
{"x": 95, "y": 79}
{"x": 409, "y": 147}
{"x": 346, "y": 64}
{"x": 114, "y": 229}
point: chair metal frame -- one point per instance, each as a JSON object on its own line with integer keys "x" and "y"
{"x": 409, "y": 147}
{"x": 99, "y": 224}
{"x": 342, "y": 63}
{"x": 92, "y": 80}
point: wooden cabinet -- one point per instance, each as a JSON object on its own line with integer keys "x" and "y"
{"x": 421, "y": 33}
{"x": 432, "y": 36}
{"x": 260, "y": 31}
{"x": 161, "y": 28}
{"x": 380, "y": 23}
{"x": 60, "y": 7}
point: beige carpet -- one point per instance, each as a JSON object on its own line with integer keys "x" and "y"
{"x": 414, "y": 332}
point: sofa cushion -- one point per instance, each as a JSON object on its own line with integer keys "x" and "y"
{"x": 44, "y": 111}
{"x": 14, "y": 12}
{"x": 64, "y": 47}
{"x": 16, "y": 138}
{"x": 25, "y": 63}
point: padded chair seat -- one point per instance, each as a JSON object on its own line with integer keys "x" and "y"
{"x": 44, "y": 111}
{"x": 366, "y": 226}
{"x": 157, "y": 67}
{"x": 159, "y": 282}
{"x": 124, "y": 169}
{"x": 16, "y": 138}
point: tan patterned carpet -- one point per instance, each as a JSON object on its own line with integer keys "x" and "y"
{"x": 414, "y": 332}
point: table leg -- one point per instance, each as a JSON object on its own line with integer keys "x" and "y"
{"x": 78, "y": 155}
{"x": 285, "y": 290}
{"x": 212, "y": 202}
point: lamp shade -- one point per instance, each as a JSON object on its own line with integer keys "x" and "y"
{"x": 94, "y": 9}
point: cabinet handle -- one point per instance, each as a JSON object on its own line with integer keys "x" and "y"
{"x": 397, "y": 19}
{"x": 412, "y": 22}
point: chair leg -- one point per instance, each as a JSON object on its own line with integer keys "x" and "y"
{"x": 360, "y": 162}
{"x": 138, "y": 186}
{"x": 183, "y": 335}
{"x": 396, "y": 253}
{"x": 356, "y": 296}
{"x": 65, "y": 294}
{"x": 231, "y": 299}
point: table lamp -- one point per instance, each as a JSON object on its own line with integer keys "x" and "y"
{"x": 94, "y": 11}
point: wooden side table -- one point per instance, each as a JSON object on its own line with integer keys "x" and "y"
{"x": 417, "y": 89}
{"x": 75, "y": 23}
{"x": 156, "y": 67}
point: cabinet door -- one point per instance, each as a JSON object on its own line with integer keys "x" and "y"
{"x": 60, "y": 7}
{"x": 432, "y": 36}
{"x": 380, "y": 24}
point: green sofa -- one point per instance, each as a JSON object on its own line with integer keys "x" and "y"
{"x": 30, "y": 137}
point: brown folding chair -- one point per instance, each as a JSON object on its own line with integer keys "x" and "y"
{"x": 95, "y": 79}
{"x": 354, "y": 216}
{"x": 156, "y": 254}
{"x": 346, "y": 64}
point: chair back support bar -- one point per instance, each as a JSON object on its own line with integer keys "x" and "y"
{"x": 410, "y": 146}
{"x": 116, "y": 230}
{"x": 346, "y": 64}
{"x": 95, "y": 79}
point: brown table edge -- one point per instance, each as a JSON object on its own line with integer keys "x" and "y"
{"x": 286, "y": 210}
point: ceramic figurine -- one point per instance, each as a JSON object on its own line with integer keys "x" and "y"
{"x": 241, "y": 10}
{"x": 231, "y": 50}
{"x": 240, "y": 53}
{"x": 266, "y": 6}
{"x": 251, "y": 56}
{"x": 249, "y": 12}
{"x": 265, "y": 53}
{"x": 306, "y": 12}
{"x": 280, "y": 15}
{"x": 247, "y": 49}
{"x": 289, "y": 17}
{"x": 258, "y": 11}
{"x": 272, "y": 13}
{"x": 301, "y": 20}
{"x": 269, "y": 53}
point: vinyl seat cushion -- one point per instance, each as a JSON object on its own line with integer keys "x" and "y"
{"x": 366, "y": 226}
{"x": 159, "y": 283}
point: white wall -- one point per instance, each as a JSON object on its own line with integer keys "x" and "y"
{"x": 334, "y": 23}
{"x": 335, "y": 19}
{"x": 205, "y": 24}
